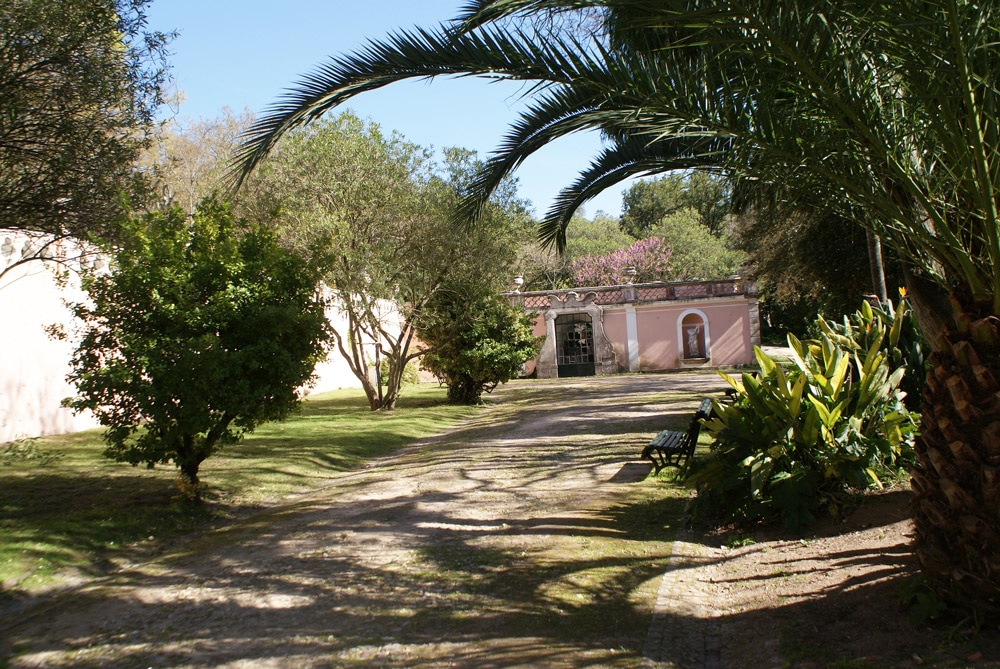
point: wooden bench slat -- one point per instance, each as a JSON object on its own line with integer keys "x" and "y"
{"x": 672, "y": 448}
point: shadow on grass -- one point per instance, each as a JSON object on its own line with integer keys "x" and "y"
{"x": 485, "y": 592}
{"x": 51, "y": 521}
{"x": 78, "y": 510}
{"x": 566, "y": 581}
{"x": 495, "y": 593}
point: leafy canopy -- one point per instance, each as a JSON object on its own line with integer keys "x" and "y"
{"x": 80, "y": 81}
{"x": 696, "y": 253}
{"x": 382, "y": 211}
{"x": 200, "y": 332}
{"x": 648, "y": 202}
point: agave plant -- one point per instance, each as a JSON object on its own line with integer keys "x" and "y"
{"x": 885, "y": 112}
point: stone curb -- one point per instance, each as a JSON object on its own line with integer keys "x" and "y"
{"x": 684, "y": 632}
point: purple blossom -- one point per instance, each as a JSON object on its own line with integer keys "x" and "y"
{"x": 650, "y": 257}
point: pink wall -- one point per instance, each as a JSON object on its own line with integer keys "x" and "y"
{"x": 538, "y": 330}
{"x": 657, "y": 330}
{"x": 616, "y": 330}
{"x": 731, "y": 343}
{"x": 729, "y": 333}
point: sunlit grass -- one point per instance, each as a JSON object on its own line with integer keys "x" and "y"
{"x": 71, "y": 508}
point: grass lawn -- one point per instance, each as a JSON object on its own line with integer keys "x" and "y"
{"x": 64, "y": 507}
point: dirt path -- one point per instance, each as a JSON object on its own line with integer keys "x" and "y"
{"x": 525, "y": 537}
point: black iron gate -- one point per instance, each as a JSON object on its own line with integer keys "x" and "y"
{"x": 575, "y": 345}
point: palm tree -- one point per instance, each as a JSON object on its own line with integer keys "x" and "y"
{"x": 884, "y": 112}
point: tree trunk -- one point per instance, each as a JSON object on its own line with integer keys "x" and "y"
{"x": 956, "y": 485}
{"x": 188, "y": 461}
{"x": 875, "y": 263}
{"x": 463, "y": 389}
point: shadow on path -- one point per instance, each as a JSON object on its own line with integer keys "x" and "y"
{"x": 525, "y": 536}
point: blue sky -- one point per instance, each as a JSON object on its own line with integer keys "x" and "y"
{"x": 244, "y": 53}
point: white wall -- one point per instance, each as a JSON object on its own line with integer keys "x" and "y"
{"x": 334, "y": 373}
{"x": 33, "y": 366}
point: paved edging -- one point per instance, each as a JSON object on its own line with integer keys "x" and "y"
{"x": 684, "y": 630}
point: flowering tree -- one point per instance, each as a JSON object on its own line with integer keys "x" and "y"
{"x": 650, "y": 257}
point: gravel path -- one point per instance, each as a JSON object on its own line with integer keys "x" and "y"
{"x": 497, "y": 544}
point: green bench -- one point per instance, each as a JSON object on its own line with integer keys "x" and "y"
{"x": 673, "y": 448}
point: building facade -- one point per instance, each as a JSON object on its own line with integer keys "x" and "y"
{"x": 650, "y": 327}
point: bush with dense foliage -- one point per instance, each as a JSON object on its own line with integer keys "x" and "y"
{"x": 200, "y": 332}
{"x": 475, "y": 347}
{"x": 794, "y": 441}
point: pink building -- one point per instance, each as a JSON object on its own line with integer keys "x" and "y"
{"x": 648, "y": 327}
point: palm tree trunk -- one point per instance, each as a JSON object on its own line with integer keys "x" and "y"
{"x": 956, "y": 485}
{"x": 875, "y": 263}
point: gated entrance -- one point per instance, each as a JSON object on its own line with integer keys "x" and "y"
{"x": 575, "y": 344}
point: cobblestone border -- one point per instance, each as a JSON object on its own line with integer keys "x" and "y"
{"x": 684, "y": 632}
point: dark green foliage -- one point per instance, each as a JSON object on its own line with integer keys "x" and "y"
{"x": 646, "y": 203}
{"x": 474, "y": 347}
{"x": 808, "y": 262}
{"x": 201, "y": 332}
{"x": 80, "y": 83}
{"x": 795, "y": 440}
{"x": 778, "y": 319}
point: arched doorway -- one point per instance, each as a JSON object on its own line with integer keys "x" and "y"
{"x": 575, "y": 345}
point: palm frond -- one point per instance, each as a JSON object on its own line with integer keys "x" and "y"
{"x": 818, "y": 99}
{"x": 412, "y": 54}
{"x": 476, "y": 14}
{"x": 630, "y": 157}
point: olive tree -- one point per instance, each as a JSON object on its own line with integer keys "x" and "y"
{"x": 381, "y": 211}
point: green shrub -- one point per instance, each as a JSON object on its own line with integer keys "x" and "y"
{"x": 477, "y": 345}
{"x": 795, "y": 440}
{"x": 206, "y": 329}
{"x": 903, "y": 345}
{"x": 411, "y": 373}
